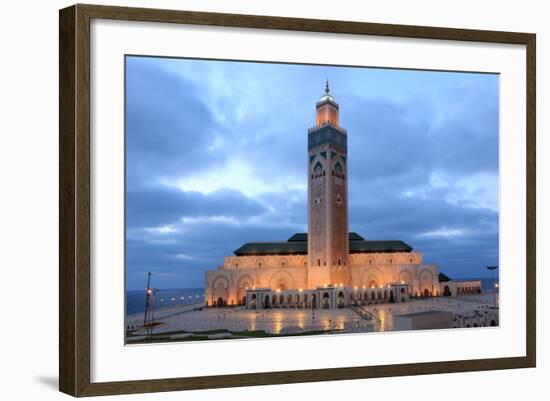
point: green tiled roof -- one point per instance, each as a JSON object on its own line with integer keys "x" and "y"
{"x": 378, "y": 246}
{"x": 443, "y": 278}
{"x": 355, "y": 237}
{"x": 298, "y": 237}
{"x": 297, "y": 245}
{"x": 273, "y": 248}
{"x": 302, "y": 237}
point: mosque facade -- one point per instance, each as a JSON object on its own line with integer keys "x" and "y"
{"x": 327, "y": 267}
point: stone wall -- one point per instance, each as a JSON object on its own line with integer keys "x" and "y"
{"x": 228, "y": 284}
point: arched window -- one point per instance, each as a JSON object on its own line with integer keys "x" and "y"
{"x": 318, "y": 262}
{"x": 318, "y": 169}
{"x": 339, "y": 262}
{"x": 338, "y": 168}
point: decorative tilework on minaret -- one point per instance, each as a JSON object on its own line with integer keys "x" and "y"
{"x": 328, "y": 246}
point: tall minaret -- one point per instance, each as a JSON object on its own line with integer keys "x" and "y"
{"x": 328, "y": 245}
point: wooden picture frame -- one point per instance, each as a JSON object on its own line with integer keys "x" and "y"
{"x": 74, "y": 199}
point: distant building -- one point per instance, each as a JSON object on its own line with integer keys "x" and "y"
{"x": 458, "y": 288}
{"x": 328, "y": 267}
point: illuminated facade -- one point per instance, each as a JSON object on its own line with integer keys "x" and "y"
{"x": 328, "y": 267}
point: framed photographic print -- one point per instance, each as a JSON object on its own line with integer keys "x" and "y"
{"x": 250, "y": 200}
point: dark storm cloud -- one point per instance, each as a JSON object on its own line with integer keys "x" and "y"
{"x": 168, "y": 124}
{"x": 403, "y": 140}
{"x": 461, "y": 240}
{"x": 194, "y": 248}
{"x": 153, "y": 206}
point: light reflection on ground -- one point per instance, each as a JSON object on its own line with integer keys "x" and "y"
{"x": 289, "y": 321}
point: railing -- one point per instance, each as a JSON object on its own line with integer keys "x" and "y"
{"x": 367, "y": 315}
{"x": 319, "y": 126}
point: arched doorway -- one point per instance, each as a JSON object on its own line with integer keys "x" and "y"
{"x": 426, "y": 293}
{"x": 220, "y": 290}
{"x": 267, "y": 304}
{"x": 243, "y": 283}
{"x": 253, "y": 301}
{"x": 446, "y": 291}
{"x": 341, "y": 300}
{"x": 313, "y": 301}
{"x": 403, "y": 295}
{"x": 392, "y": 297}
{"x": 326, "y": 301}
{"x": 405, "y": 277}
{"x": 281, "y": 281}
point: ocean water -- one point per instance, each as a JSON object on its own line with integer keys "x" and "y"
{"x": 164, "y": 298}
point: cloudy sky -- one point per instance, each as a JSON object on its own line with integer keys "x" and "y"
{"x": 217, "y": 156}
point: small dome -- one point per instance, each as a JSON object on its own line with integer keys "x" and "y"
{"x": 327, "y": 97}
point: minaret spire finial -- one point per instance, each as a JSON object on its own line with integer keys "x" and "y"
{"x": 327, "y": 90}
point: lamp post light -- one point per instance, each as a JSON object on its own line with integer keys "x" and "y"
{"x": 494, "y": 285}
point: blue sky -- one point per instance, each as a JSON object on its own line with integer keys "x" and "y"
{"x": 216, "y": 156}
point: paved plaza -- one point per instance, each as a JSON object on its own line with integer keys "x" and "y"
{"x": 275, "y": 321}
{"x": 466, "y": 306}
{"x": 368, "y": 318}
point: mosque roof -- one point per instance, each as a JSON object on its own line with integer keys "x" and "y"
{"x": 443, "y": 278}
{"x": 297, "y": 245}
{"x": 273, "y": 248}
{"x": 378, "y": 246}
{"x": 300, "y": 237}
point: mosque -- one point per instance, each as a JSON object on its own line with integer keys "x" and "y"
{"x": 328, "y": 267}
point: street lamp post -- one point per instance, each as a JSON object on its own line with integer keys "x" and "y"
{"x": 493, "y": 284}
